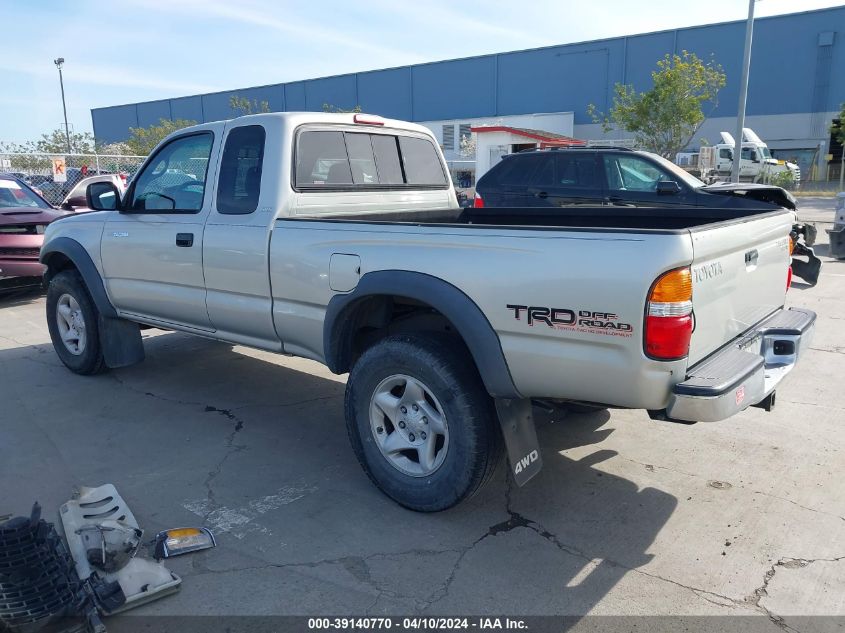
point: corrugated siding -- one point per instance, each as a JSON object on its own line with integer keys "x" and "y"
{"x": 785, "y": 78}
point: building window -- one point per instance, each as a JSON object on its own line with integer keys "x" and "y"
{"x": 449, "y": 137}
{"x": 465, "y": 131}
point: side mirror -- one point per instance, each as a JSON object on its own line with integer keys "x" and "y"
{"x": 668, "y": 188}
{"x": 102, "y": 196}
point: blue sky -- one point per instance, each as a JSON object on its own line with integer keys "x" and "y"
{"x": 121, "y": 51}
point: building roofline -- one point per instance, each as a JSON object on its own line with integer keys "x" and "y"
{"x": 539, "y": 135}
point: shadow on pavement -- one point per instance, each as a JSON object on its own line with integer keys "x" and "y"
{"x": 198, "y": 425}
{"x": 20, "y": 296}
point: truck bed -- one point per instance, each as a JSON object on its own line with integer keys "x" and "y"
{"x": 651, "y": 219}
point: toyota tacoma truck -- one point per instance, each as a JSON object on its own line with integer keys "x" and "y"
{"x": 338, "y": 237}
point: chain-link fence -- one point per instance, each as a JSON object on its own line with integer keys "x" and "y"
{"x": 39, "y": 171}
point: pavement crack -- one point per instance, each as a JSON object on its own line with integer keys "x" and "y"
{"x": 835, "y": 350}
{"x": 761, "y": 592}
{"x": 214, "y": 473}
{"x": 239, "y": 423}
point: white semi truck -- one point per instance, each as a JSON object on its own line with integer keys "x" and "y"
{"x": 756, "y": 162}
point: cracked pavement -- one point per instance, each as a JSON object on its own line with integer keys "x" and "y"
{"x": 629, "y": 516}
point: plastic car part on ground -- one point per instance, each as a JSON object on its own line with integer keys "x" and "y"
{"x": 38, "y": 581}
{"x": 101, "y": 513}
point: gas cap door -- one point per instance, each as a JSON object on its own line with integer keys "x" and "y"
{"x": 344, "y": 272}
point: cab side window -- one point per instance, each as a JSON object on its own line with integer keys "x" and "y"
{"x": 517, "y": 171}
{"x": 576, "y": 171}
{"x": 174, "y": 180}
{"x": 631, "y": 173}
{"x": 239, "y": 183}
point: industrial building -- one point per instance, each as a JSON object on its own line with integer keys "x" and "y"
{"x": 797, "y": 84}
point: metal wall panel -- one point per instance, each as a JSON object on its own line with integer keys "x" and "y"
{"x": 784, "y": 78}
{"x": 455, "y": 89}
{"x": 189, "y": 108}
{"x": 112, "y": 124}
{"x": 151, "y": 112}
{"x": 386, "y": 92}
{"x": 340, "y": 92}
{"x": 562, "y": 79}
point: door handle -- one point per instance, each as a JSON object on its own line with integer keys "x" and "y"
{"x": 541, "y": 194}
{"x": 184, "y": 239}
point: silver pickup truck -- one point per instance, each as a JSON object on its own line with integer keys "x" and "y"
{"x": 338, "y": 237}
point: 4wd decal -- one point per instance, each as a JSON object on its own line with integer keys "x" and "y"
{"x": 575, "y": 320}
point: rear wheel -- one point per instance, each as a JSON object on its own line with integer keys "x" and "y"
{"x": 421, "y": 422}
{"x": 72, "y": 319}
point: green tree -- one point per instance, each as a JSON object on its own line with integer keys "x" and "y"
{"x": 142, "y": 140}
{"x": 328, "y": 107}
{"x": 243, "y": 106}
{"x": 665, "y": 118}
{"x": 54, "y": 143}
{"x": 837, "y": 129}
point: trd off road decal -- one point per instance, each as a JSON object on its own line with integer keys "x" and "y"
{"x": 574, "y": 320}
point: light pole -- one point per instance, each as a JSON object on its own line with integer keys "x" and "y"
{"x": 743, "y": 94}
{"x": 59, "y": 63}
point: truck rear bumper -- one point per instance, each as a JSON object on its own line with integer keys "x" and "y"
{"x": 745, "y": 372}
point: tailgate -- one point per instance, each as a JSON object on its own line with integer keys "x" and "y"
{"x": 739, "y": 273}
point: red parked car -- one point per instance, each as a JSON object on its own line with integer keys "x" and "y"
{"x": 24, "y": 215}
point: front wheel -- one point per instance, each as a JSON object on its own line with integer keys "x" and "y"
{"x": 72, "y": 319}
{"x": 421, "y": 422}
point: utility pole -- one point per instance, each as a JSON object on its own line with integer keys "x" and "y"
{"x": 743, "y": 94}
{"x": 59, "y": 63}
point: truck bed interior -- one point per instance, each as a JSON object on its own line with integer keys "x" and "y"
{"x": 602, "y": 218}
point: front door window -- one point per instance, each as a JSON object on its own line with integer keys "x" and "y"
{"x": 174, "y": 180}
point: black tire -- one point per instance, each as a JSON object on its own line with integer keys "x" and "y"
{"x": 475, "y": 445}
{"x": 90, "y": 360}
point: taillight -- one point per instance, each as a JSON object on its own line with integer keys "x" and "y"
{"x": 668, "y": 326}
{"x": 478, "y": 201}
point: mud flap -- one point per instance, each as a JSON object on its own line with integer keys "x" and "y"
{"x": 808, "y": 271}
{"x": 517, "y": 421}
{"x": 121, "y": 341}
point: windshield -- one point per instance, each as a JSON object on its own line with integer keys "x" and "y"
{"x": 13, "y": 194}
{"x": 765, "y": 152}
{"x": 679, "y": 173}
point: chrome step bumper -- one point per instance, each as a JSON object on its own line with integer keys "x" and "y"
{"x": 745, "y": 372}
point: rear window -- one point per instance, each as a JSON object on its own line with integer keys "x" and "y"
{"x": 422, "y": 165}
{"x": 342, "y": 160}
{"x": 362, "y": 162}
{"x": 386, "y": 150}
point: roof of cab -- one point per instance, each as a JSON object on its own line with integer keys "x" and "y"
{"x": 296, "y": 119}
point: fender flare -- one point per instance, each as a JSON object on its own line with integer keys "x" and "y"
{"x": 76, "y": 253}
{"x": 120, "y": 339}
{"x": 451, "y": 302}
